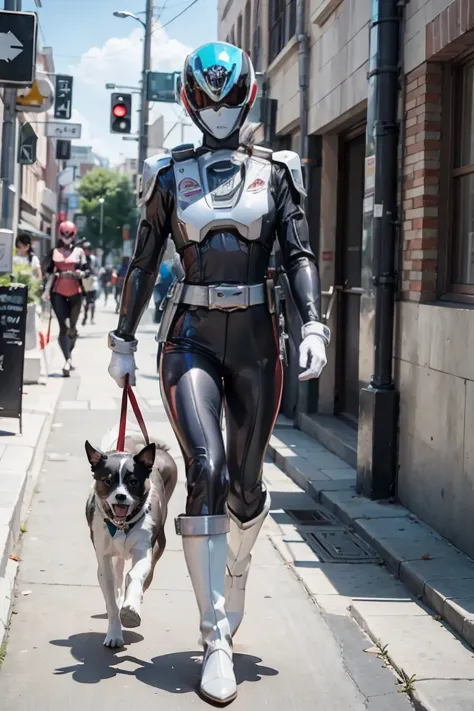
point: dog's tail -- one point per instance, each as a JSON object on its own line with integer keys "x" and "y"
{"x": 168, "y": 471}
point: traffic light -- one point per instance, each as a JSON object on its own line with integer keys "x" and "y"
{"x": 121, "y": 113}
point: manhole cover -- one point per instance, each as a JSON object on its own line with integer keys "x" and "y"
{"x": 312, "y": 517}
{"x": 341, "y": 546}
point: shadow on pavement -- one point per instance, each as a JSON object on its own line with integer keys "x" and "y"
{"x": 177, "y": 673}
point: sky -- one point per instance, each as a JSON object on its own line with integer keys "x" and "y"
{"x": 95, "y": 47}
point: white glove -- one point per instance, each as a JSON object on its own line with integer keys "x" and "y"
{"x": 120, "y": 365}
{"x": 313, "y": 350}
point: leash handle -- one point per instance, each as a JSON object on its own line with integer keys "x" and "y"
{"x": 128, "y": 394}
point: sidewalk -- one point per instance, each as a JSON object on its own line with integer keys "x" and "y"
{"x": 437, "y": 666}
{"x": 289, "y": 652}
{"x": 20, "y": 461}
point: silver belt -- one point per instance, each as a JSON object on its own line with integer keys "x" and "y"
{"x": 224, "y": 298}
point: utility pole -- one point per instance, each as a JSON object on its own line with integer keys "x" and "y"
{"x": 7, "y": 167}
{"x": 144, "y": 116}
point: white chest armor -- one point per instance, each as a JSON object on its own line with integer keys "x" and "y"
{"x": 207, "y": 202}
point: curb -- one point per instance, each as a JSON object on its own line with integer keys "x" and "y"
{"x": 444, "y": 581}
{"x": 18, "y": 513}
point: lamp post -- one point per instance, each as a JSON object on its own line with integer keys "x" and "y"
{"x": 101, "y": 228}
{"x": 144, "y": 113}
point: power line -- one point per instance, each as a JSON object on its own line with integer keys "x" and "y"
{"x": 176, "y": 16}
{"x": 176, "y": 123}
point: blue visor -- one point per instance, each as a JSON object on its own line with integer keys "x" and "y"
{"x": 217, "y": 68}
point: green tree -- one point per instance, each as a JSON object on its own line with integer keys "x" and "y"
{"x": 119, "y": 207}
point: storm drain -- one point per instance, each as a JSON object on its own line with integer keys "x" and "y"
{"x": 340, "y": 546}
{"x": 312, "y": 517}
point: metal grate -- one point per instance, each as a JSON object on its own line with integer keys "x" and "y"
{"x": 340, "y": 546}
{"x": 312, "y": 517}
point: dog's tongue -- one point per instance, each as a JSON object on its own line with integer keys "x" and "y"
{"x": 120, "y": 511}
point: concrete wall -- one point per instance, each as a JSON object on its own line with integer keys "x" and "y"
{"x": 435, "y": 375}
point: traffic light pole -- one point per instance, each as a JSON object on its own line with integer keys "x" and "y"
{"x": 8, "y": 142}
{"x": 144, "y": 115}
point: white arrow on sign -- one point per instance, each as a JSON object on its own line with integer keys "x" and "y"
{"x": 10, "y": 46}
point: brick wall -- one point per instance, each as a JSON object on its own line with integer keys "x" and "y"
{"x": 421, "y": 173}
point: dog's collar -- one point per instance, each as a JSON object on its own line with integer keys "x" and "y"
{"x": 113, "y": 528}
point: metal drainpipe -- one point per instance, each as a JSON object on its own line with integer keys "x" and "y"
{"x": 303, "y": 62}
{"x": 379, "y": 403}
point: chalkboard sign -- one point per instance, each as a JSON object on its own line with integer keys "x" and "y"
{"x": 13, "y": 310}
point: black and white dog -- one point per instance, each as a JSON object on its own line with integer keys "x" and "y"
{"x": 126, "y": 512}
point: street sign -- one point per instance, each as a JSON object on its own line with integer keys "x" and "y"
{"x": 81, "y": 222}
{"x": 72, "y": 201}
{"x": 67, "y": 176}
{"x": 38, "y": 98}
{"x": 27, "y": 145}
{"x": 63, "y": 99}
{"x": 161, "y": 86}
{"x": 55, "y": 129}
{"x": 63, "y": 150}
{"x": 18, "y": 33}
{"x": 13, "y": 310}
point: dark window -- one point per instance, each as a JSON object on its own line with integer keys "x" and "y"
{"x": 247, "y": 29}
{"x": 239, "y": 31}
{"x": 256, "y": 42}
{"x": 282, "y": 21}
{"x": 462, "y": 253}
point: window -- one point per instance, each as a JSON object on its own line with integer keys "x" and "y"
{"x": 282, "y": 21}
{"x": 462, "y": 256}
{"x": 239, "y": 31}
{"x": 247, "y": 29}
{"x": 256, "y": 43}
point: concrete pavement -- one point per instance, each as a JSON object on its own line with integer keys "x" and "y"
{"x": 20, "y": 461}
{"x": 290, "y": 653}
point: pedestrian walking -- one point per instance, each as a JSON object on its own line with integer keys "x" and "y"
{"x": 90, "y": 283}
{"x": 66, "y": 268}
{"x": 25, "y": 255}
{"x": 105, "y": 276}
{"x": 218, "y": 334}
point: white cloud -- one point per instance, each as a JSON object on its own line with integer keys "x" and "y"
{"x": 120, "y": 60}
{"x": 88, "y": 135}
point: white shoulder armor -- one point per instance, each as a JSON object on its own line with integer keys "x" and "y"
{"x": 152, "y": 167}
{"x": 292, "y": 163}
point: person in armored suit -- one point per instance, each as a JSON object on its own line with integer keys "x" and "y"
{"x": 223, "y": 204}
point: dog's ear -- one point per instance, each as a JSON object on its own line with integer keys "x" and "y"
{"x": 147, "y": 456}
{"x": 95, "y": 456}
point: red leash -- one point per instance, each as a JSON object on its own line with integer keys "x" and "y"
{"x": 128, "y": 394}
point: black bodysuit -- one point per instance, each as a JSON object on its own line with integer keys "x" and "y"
{"x": 211, "y": 357}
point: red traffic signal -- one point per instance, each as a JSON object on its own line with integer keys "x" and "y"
{"x": 121, "y": 113}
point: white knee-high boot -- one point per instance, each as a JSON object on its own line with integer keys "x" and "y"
{"x": 240, "y": 541}
{"x": 205, "y": 550}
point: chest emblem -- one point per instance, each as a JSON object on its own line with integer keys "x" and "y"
{"x": 189, "y": 187}
{"x": 257, "y": 186}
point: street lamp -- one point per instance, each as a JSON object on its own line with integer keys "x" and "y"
{"x": 125, "y": 13}
{"x": 144, "y": 116}
{"x": 101, "y": 229}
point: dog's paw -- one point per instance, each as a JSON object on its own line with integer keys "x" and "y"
{"x": 114, "y": 637}
{"x": 129, "y": 617}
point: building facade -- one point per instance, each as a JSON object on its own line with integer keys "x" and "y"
{"x": 434, "y": 329}
{"x": 37, "y": 183}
